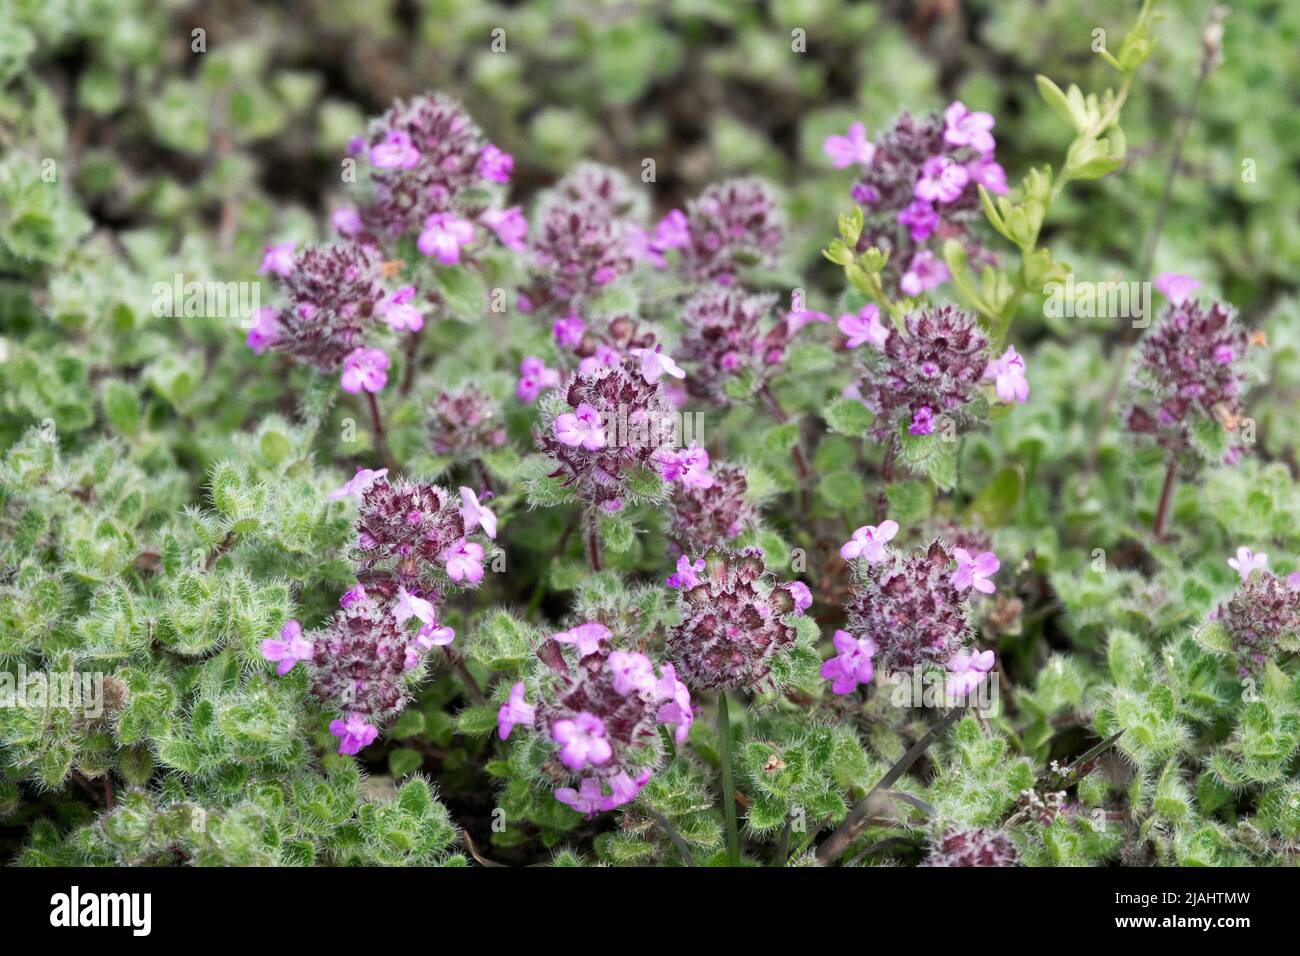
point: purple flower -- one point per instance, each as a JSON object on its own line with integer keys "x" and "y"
{"x": 581, "y": 427}
{"x": 509, "y": 225}
{"x": 1247, "y": 561}
{"x": 1008, "y": 372}
{"x": 443, "y": 236}
{"x": 687, "y": 573}
{"x": 464, "y": 561}
{"x": 988, "y": 172}
{"x": 942, "y": 180}
{"x": 924, "y": 273}
{"x": 966, "y": 669}
{"x": 358, "y": 484}
{"x": 864, "y": 327}
{"x": 354, "y": 734}
{"x": 266, "y": 329}
{"x": 409, "y": 606}
{"x": 920, "y": 218}
{"x": 586, "y": 638}
{"x": 802, "y": 596}
{"x": 495, "y": 164}
{"x": 346, "y": 221}
{"x": 1176, "y": 287}
{"x": 676, "y": 709}
{"x": 972, "y": 846}
{"x": 922, "y": 421}
{"x": 395, "y": 152}
{"x": 672, "y": 231}
{"x": 514, "y": 711}
{"x": 974, "y": 572}
{"x": 690, "y": 466}
{"x": 732, "y": 223}
{"x": 964, "y": 128}
{"x": 398, "y": 313}
{"x": 277, "y": 260}
{"x": 850, "y": 149}
{"x": 633, "y": 672}
{"x": 605, "y": 356}
{"x": 291, "y": 648}
{"x": 582, "y": 741}
{"x": 655, "y": 364}
{"x": 851, "y": 664}
{"x": 534, "y": 376}
{"x": 476, "y": 514}
{"x": 869, "y": 541}
{"x": 364, "y": 368}
{"x": 568, "y": 330}
{"x": 589, "y": 798}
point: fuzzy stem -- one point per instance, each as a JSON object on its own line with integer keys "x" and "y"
{"x": 796, "y": 452}
{"x": 728, "y": 784}
{"x": 412, "y": 354}
{"x": 381, "y": 436}
{"x": 1166, "y": 496}
{"x": 593, "y": 541}
{"x": 458, "y": 664}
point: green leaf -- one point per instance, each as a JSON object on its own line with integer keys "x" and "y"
{"x": 996, "y": 503}
{"x": 848, "y": 416}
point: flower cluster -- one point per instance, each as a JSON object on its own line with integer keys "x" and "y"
{"x": 733, "y": 621}
{"x": 730, "y": 225}
{"x": 1261, "y": 619}
{"x": 334, "y": 295}
{"x": 972, "y": 846}
{"x": 601, "y": 709}
{"x": 703, "y": 516}
{"x": 610, "y": 421}
{"x": 721, "y": 337}
{"x": 919, "y": 186}
{"x": 932, "y": 368}
{"x": 465, "y": 422}
{"x": 406, "y": 529}
{"x": 1188, "y": 364}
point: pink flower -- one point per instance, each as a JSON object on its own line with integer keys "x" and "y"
{"x": 582, "y": 741}
{"x": 690, "y": 466}
{"x": 346, "y": 221}
{"x": 495, "y": 164}
{"x": 922, "y": 421}
{"x": 673, "y": 231}
{"x": 633, "y": 672}
{"x": 975, "y": 572}
{"x": 354, "y": 734}
{"x": 850, "y": 149}
{"x": 476, "y": 514}
{"x": 514, "y": 711}
{"x": 398, "y": 313}
{"x": 291, "y": 648}
{"x": 443, "y": 236}
{"x": 533, "y": 377}
{"x": 409, "y": 606}
{"x": 588, "y": 798}
{"x": 358, "y": 485}
{"x": 582, "y": 427}
{"x": 920, "y": 218}
{"x": 966, "y": 669}
{"x": 964, "y": 128}
{"x": 1008, "y": 372}
{"x": 266, "y": 329}
{"x": 687, "y": 573}
{"x": 802, "y": 596}
{"x": 585, "y": 637}
{"x": 869, "y": 542}
{"x": 676, "y": 710}
{"x": 1293, "y": 580}
{"x": 395, "y": 152}
{"x": 1248, "y": 561}
{"x": 925, "y": 273}
{"x": 864, "y": 327}
{"x": 851, "y": 664}
{"x": 352, "y": 595}
{"x": 1176, "y": 287}
{"x": 605, "y": 355}
{"x": 796, "y": 319}
{"x": 464, "y": 560}
{"x": 656, "y": 363}
{"x": 568, "y": 330}
{"x": 988, "y": 173}
{"x": 942, "y": 180}
{"x": 364, "y": 369}
{"x": 1222, "y": 354}
{"x": 278, "y": 260}
{"x": 510, "y": 227}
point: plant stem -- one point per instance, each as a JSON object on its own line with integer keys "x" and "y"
{"x": 796, "y": 452}
{"x": 458, "y": 664}
{"x": 412, "y": 354}
{"x": 728, "y": 783}
{"x": 1166, "y": 496}
{"x": 381, "y": 436}
{"x": 593, "y": 541}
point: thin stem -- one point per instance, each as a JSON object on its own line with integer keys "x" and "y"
{"x": 728, "y": 783}
{"x": 796, "y": 452}
{"x": 1166, "y": 496}
{"x": 458, "y": 664}
{"x": 381, "y": 436}
{"x": 412, "y": 354}
{"x": 593, "y": 541}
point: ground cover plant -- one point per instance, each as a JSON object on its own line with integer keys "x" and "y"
{"x": 798, "y": 434}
